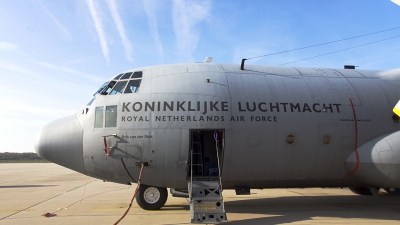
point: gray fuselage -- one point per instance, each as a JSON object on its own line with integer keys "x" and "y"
{"x": 282, "y": 127}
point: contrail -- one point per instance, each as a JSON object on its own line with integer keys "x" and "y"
{"x": 99, "y": 28}
{"x": 121, "y": 29}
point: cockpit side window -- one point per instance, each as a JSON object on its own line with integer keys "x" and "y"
{"x": 102, "y": 87}
{"x": 108, "y": 88}
{"x": 126, "y": 76}
{"x": 90, "y": 102}
{"x": 133, "y": 86}
{"x": 119, "y": 88}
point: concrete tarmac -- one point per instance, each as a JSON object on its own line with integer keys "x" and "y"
{"x": 30, "y": 190}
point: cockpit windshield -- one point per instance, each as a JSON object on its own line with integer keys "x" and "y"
{"x": 118, "y": 88}
{"x": 126, "y": 76}
{"x": 123, "y": 85}
{"x": 118, "y": 76}
{"x": 137, "y": 74}
{"x": 133, "y": 86}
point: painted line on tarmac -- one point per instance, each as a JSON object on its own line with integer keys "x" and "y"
{"x": 172, "y": 205}
{"x": 30, "y": 207}
{"x": 111, "y": 207}
{"x": 15, "y": 210}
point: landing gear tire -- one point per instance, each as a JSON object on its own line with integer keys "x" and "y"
{"x": 392, "y": 191}
{"x": 360, "y": 190}
{"x": 151, "y": 198}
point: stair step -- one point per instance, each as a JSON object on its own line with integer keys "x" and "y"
{"x": 206, "y": 205}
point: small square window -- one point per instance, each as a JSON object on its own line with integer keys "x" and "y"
{"x": 98, "y": 118}
{"x": 111, "y": 116}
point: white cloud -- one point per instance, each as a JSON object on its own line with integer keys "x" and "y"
{"x": 68, "y": 70}
{"x": 15, "y": 68}
{"x": 19, "y": 69}
{"x": 10, "y": 47}
{"x": 186, "y": 14}
{"x": 149, "y": 7}
{"x": 12, "y": 108}
{"x": 121, "y": 28}
{"x": 78, "y": 61}
{"x": 99, "y": 28}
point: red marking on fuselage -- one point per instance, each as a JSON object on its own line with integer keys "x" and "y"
{"x": 105, "y": 145}
{"x": 356, "y": 140}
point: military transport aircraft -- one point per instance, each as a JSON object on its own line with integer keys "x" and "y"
{"x": 199, "y": 128}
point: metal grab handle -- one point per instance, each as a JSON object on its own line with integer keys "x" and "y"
{"x": 105, "y": 143}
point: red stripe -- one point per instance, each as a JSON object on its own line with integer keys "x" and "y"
{"x": 356, "y": 140}
{"x": 105, "y": 145}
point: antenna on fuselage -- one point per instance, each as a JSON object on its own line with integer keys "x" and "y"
{"x": 242, "y": 65}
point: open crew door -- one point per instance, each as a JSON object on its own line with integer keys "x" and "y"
{"x": 204, "y": 183}
{"x": 204, "y": 145}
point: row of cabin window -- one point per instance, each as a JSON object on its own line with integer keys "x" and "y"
{"x": 110, "y": 116}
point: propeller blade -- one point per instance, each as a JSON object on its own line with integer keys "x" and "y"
{"x": 396, "y": 2}
{"x": 396, "y": 109}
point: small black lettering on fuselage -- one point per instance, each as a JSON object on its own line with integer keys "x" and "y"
{"x": 264, "y": 118}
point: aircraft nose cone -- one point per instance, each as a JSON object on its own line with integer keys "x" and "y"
{"x": 61, "y": 142}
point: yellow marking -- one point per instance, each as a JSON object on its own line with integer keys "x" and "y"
{"x": 174, "y": 204}
{"x": 16, "y": 210}
{"x": 109, "y": 207}
{"x": 60, "y": 209}
{"x": 396, "y": 109}
{"x": 205, "y": 206}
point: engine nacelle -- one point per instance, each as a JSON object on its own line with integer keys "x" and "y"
{"x": 379, "y": 162}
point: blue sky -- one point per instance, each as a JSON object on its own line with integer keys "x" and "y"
{"x": 55, "y": 54}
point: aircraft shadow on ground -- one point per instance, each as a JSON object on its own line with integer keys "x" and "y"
{"x": 301, "y": 208}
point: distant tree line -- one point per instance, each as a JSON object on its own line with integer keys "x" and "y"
{"x": 26, "y": 157}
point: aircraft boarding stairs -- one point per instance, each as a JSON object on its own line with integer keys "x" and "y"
{"x": 206, "y": 202}
{"x": 205, "y": 193}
